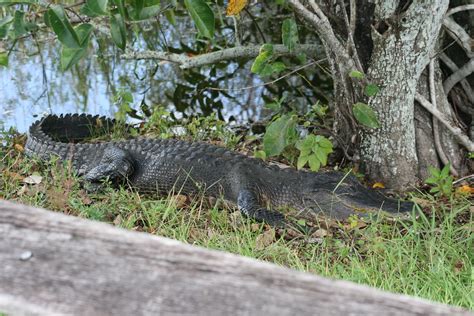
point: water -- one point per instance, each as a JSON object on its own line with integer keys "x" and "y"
{"x": 33, "y": 84}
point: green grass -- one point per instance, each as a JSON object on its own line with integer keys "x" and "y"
{"x": 430, "y": 257}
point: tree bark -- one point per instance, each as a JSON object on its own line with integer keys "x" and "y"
{"x": 404, "y": 39}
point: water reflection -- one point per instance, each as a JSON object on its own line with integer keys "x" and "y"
{"x": 33, "y": 85}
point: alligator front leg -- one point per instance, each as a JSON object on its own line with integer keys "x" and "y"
{"x": 249, "y": 205}
{"x": 115, "y": 165}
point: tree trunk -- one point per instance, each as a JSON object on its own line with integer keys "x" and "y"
{"x": 404, "y": 39}
{"x": 393, "y": 43}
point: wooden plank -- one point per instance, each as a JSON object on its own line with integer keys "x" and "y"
{"x": 51, "y": 263}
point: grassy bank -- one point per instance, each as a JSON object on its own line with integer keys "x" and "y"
{"x": 431, "y": 256}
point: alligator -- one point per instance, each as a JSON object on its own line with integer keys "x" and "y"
{"x": 164, "y": 165}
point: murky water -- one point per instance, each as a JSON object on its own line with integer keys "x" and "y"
{"x": 33, "y": 84}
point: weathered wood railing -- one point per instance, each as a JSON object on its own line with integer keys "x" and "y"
{"x": 51, "y": 263}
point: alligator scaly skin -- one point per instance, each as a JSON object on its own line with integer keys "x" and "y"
{"x": 166, "y": 165}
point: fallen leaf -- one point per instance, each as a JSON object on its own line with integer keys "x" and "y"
{"x": 314, "y": 240}
{"x": 422, "y": 202}
{"x": 68, "y": 184}
{"x": 458, "y": 266}
{"x": 466, "y": 189}
{"x": 85, "y": 199}
{"x": 235, "y": 219}
{"x": 33, "y": 190}
{"x": 22, "y": 190}
{"x": 235, "y": 6}
{"x": 57, "y": 198}
{"x": 254, "y": 227}
{"x": 196, "y": 234}
{"x": 210, "y": 233}
{"x": 265, "y": 239}
{"x": 180, "y": 200}
{"x": 33, "y": 179}
{"x": 118, "y": 220}
{"x": 13, "y": 175}
{"x": 378, "y": 185}
{"x": 19, "y": 148}
{"x": 320, "y": 233}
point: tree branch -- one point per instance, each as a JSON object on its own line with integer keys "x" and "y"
{"x": 350, "y": 25}
{"x": 324, "y": 29}
{"x": 251, "y": 51}
{"x": 458, "y": 75}
{"x": 438, "y": 145}
{"x": 459, "y": 9}
{"x": 459, "y": 35}
{"x": 464, "y": 83}
{"x": 456, "y": 131}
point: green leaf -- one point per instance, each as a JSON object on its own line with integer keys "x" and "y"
{"x": 4, "y": 59}
{"x": 263, "y": 58}
{"x": 278, "y": 67}
{"x": 279, "y": 134}
{"x": 202, "y": 16}
{"x": 435, "y": 189}
{"x": 270, "y": 69}
{"x": 312, "y": 147}
{"x": 301, "y": 58}
{"x": 83, "y": 32}
{"x": 435, "y": 172}
{"x": 95, "y": 8}
{"x": 305, "y": 150}
{"x": 260, "y": 154}
{"x": 322, "y": 156}
{"x": 356, "y": 74}
{"x": 7, "y": 3}
{"x": 314, "y": 163}
{"x": 61, "y": 26}
{"x": 302, "y": 160}
{"x": 121, "y": 8}
{"x": 371, "y": 90}
{"x": 149, "y": 12}
{"x": 365, "y": 115}
{"x": 289, "y": 33}
{"x": 307, "y": 143}
{"x": 170, "y": 16}
{"x": 143, "y": 10}
{"x": 19, "y": 26}
{"x": 445, "y": 171}
{"x": 117, "y": 31}
{"x": 325, "y": 143}
{"x": 301, "y": 222}
{"x": 70, "y": 56}
{"x": 274, "y": 106}
{"x": 137, "y": 6}
{"x": 5, "y": 25}
{"x": 266, "y": 71}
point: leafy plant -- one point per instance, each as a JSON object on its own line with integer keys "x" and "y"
{"x": 276, "y": 104}
{"x": 363, "y": 113}
{"x": 202, "y": 16}
{"x": 279, "y": 134}
{"x": 441, "y": 180}
{"x": 314, "y": 150}
{"x": 289, "y": 33}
